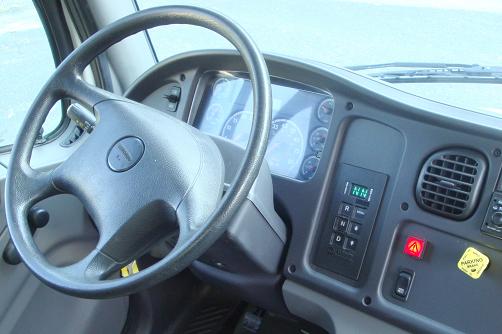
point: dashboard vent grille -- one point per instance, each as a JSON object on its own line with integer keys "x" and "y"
{"x": 450, "y": 183}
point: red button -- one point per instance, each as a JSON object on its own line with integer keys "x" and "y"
{"x": 414, "y": 247}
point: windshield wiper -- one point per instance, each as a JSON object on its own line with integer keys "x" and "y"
{"x": 402, "y": 72}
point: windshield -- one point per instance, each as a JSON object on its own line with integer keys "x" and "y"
{"x": 362, "y": 32}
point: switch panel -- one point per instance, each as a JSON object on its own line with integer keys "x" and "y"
{"x": 346, "y": 230}
{"x": 492, "y": 224}
{"x": 173, "y": 97}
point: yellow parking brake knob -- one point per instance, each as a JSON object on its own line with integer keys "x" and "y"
{"x": 473, "y": 263}
{"x": 131, "y": 269}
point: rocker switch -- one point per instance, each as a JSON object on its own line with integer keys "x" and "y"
{"x": 403, "y": 284}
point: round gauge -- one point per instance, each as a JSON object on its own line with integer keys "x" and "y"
{"x": 213, "y": 113}
{"x": 318, "y": 138}
{"x": 325, "y": 110}
{"x": 219, "y": 86}
{"x": 285, "y": 147}
{"x": 238, "y": 127}
{"x": 309, "y": 167}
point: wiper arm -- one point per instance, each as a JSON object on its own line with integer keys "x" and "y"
{"x": 402, "y": 72}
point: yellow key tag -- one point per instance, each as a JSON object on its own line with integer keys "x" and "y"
{"x": 473, "y": 263}
{"x": 130, "y": 269}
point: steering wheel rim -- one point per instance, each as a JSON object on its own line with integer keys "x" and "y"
{"x": 25, "y": 186}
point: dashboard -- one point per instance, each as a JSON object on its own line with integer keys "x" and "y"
{"x": 403, "y": 190}
{"x": 301, "y": 117}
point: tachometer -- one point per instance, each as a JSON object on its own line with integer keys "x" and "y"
{"x": 219, "y": 86}
{"x": 213, "y": 114}
{"x": 318, "y": 138}
{"x": 285, "y": 148}
{"x": 325, "y": 110}
{"x": 238, "y": 127}
{"x": 309, "y": 167}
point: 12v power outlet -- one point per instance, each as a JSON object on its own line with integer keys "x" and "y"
{"x": 125, "y": 153}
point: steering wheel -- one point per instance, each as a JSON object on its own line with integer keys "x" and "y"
{"x": 140, "y": 174}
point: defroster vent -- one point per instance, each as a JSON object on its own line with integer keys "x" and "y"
{"x": 450, "y": 183}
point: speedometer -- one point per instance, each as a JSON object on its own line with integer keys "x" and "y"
{"x": 213, "y": 114}
{"x": 285, "y": 148}
{"x": 238, "y": 127}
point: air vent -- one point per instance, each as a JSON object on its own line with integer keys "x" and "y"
{"x": 450, "y": 183}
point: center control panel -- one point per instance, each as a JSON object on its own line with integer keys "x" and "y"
{"x": 346, "y": 231}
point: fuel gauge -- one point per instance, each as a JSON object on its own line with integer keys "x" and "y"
{"x": 309, "y": 167}
{"x": 325, "y": 110}
{"x": 318, "y": 138}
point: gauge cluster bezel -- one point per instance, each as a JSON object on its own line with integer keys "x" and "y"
{"x": 206, "y": 84}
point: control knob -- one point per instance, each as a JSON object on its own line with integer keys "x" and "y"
{"x": 497, "y": 219}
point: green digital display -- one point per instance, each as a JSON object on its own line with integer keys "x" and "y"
{"x": 359, "y": 191}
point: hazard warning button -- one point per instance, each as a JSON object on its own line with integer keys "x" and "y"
{"x": 473, "y": 263}
{"x": 414, "y": 247}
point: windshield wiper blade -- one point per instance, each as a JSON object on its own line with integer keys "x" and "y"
{"x": 402, "y": 72}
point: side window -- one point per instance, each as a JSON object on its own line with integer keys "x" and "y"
{"x": 26, "y": 62}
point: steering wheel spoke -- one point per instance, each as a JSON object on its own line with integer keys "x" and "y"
{"x": 185, "y": 234}
{"x": 93, "y": 268}
{"x": 35, "y": 186}
{"x": 88, "y": 94}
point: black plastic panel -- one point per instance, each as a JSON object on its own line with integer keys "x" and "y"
{"x": 345, "y": 235}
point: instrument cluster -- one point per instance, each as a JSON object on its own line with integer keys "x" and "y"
{"x": 299, "y": 128}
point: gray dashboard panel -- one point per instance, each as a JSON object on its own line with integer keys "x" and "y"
{"x": 446, "y": 293}
{"x": 381, "y": 128}
{"x": 256, "y": 235}
{"x": 333, "y": 316}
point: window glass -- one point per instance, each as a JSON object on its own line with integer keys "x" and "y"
{"x": 349, "y": 33}
{"x": 26, "y": 62}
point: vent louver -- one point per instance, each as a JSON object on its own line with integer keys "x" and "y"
{"x": 450, "y": 183}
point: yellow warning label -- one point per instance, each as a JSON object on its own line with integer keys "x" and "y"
{"x": 131, "y": 268}
{"x": 473, "y": 262}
